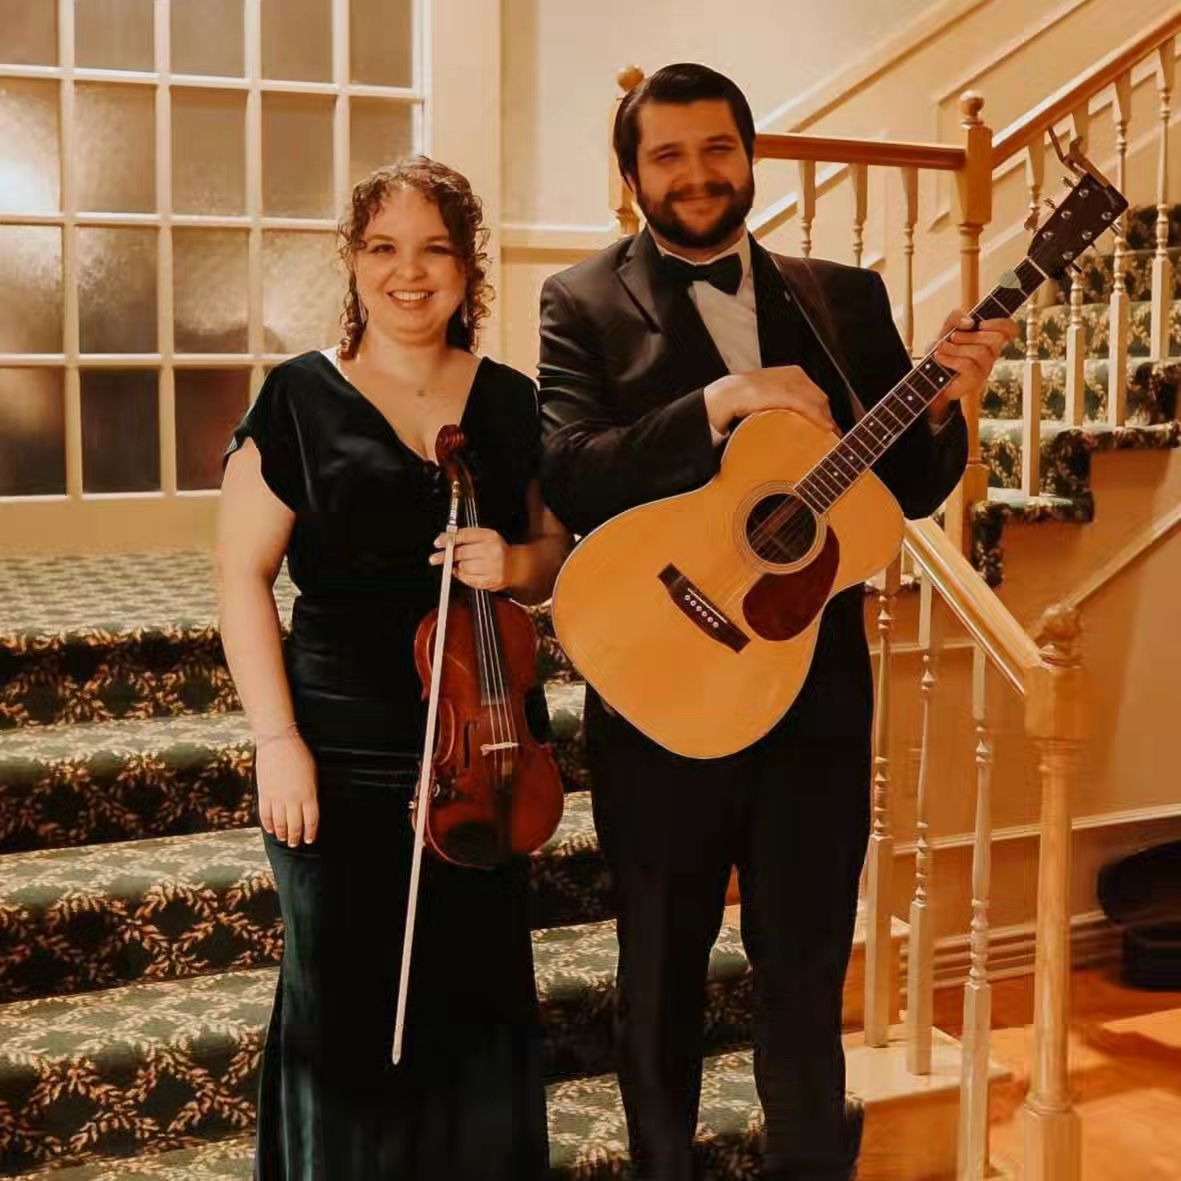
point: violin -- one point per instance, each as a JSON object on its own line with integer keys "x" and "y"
{"x": 487, "y": 789}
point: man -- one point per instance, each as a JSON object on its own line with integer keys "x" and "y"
{"x": 650, "y": 353}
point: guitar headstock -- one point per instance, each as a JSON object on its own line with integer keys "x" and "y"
{"x": 1092, "y": 205}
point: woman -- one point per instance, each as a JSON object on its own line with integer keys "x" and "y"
{"x": 331, "y": 467}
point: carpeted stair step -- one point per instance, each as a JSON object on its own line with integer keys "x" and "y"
{"x": 906, "y": 1119}
{"x": 103, "y": 637}
{"x": 1098, "y": 274}
{"x": 149, "y": 1067}
{"x": 1065, "y": 451}
{"x": 1152, "y": 390}
{"x": 94, "y": 782}
{"x": 1053, "y": 323}
{"x": 73, "y": 920}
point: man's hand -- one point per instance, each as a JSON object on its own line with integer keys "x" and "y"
{"x": 971, "y": 353}
{"x": 783, "y": 387}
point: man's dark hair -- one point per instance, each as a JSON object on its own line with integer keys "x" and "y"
{"x": 684, "y": 82}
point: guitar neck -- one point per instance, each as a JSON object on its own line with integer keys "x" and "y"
{"x": 882, "y": 426}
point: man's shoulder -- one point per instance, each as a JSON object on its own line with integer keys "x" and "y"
{"x": 826, "y": 273}
{"x": 591, "y": 273}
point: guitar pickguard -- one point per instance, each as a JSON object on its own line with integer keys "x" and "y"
{"x": 780, "y": 606}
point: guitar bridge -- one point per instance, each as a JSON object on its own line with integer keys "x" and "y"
{"x": 700, "y": 611}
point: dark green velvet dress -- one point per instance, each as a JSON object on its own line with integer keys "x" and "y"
{"x": 467, "y": 1102}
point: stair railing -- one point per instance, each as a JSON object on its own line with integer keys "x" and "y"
{"x": 1072, "y": 102}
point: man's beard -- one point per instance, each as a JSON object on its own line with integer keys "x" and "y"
{"x": 663, "y": 218}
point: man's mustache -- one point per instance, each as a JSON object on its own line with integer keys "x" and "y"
{"x": 717, "y": 188}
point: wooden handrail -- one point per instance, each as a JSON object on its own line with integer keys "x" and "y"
{"x": 1068, "y": 98}
{"x": 990, "y": 623}
{"x": 843, "y": 150}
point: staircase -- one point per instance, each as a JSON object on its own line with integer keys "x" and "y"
{"x": 140, "y": 929}
{"x": 1151, "y": 421}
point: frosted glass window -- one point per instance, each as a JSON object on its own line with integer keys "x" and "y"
{"x": 303, "y": 292}
{"x": 115, "y": 161}
{"x": 297, "y": 40}
{"x": 296, "y": 155}
{"x": 32, "y": 432}
{"x": 209, "y": 290}
{"x": 209, "y": 404}
{"x": 113, "y": 34}
{"x": 380, "y": 132}
{"x": 207, "y": 37}
{"x": 381, "y": 48}
{"x": 28, "y": 33}
{"x": 120, "y": 430}
{"x": 209, "y": 151}
{"x": 31, "y": 292}
{"x": 30, "y": 180}
{"x": 117, "y": 290}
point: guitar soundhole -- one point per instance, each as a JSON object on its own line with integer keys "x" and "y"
{"x": 781, "y": 529}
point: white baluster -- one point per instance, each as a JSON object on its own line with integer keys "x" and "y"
{"x": 859, "y": 178}
{"x": 1162, "y": 276}
{"x": 1119, "y": 323}
{"x": 973, "y": 1139}
{"x": 807, "y": 205}
{"x": 920, "y": 967}
{"x": 1031, "y": 374}
{"x": 880, "y": 966}
{"x": 1076, "y": 337}
{"x": 910, "y": 195}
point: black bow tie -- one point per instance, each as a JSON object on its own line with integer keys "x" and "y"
{"x": 723, "y": 273}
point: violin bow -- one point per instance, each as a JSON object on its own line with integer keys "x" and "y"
{"x": 427, "y": 773}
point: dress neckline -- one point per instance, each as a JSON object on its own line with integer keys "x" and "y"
{"x": 329, "y": 357}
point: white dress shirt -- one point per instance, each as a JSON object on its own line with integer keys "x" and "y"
{"x": 733, "y": 320}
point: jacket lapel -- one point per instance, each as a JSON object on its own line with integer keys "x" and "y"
{"x": 668, "y": 306}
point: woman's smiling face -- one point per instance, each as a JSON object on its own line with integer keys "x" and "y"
{"x": 409, "y": 274}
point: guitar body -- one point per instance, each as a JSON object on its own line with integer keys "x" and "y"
{"x": 695, "y": 617}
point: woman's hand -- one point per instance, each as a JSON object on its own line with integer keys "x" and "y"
{"x": 288, "y": 807}
{"x": 483, "y": 559}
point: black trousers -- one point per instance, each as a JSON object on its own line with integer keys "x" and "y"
{"x": 792, "y": 813}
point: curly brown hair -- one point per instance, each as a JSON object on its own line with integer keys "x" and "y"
{"x": 463, "y": 215}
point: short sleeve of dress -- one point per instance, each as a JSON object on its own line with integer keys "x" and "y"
{"x": 271, "y": 423}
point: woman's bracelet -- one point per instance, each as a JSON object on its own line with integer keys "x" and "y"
{"x": 266, "y": 739}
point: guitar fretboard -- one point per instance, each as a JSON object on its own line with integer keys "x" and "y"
{"x": 832, "y": 477}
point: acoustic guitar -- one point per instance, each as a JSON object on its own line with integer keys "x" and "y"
{"x": 695, "y": 616}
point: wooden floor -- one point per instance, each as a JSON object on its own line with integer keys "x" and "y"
{"x": 1125, "y": 1054}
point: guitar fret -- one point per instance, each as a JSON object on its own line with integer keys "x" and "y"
{"x": 819, "y": 472}
{"x": 995, "y": 300}
{"x": 884, "y": 408}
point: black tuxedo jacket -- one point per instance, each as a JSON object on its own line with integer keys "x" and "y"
{"x": 625, "y": 359}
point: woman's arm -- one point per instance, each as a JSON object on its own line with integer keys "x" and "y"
{"x": 484, "y": 560}
{"x": 253, "y": 527}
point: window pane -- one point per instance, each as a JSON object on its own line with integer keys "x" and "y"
{"x": 31, "y": 293}
{"x": 209, "y": 151}
{"x": 303, "y": 292}
{"x": 113, "y": 34}
{"x": 209, "y": 404}
{"x": 296, "y": 155}
{"x": 117, "y": 290}
{"x": 120, "y": 430}
{"x": 209, "y": 290}
{"x": 381, "y": 45}
{"x": 207, "y": 37}
{"x": 380, "y": 133}
{"x": 116, "y": 156}
{"x": 297, "y": 40}
{"x": 28, "y": 33}
{"x": 32, "y": 432}
{"x": 30, "y": 180}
